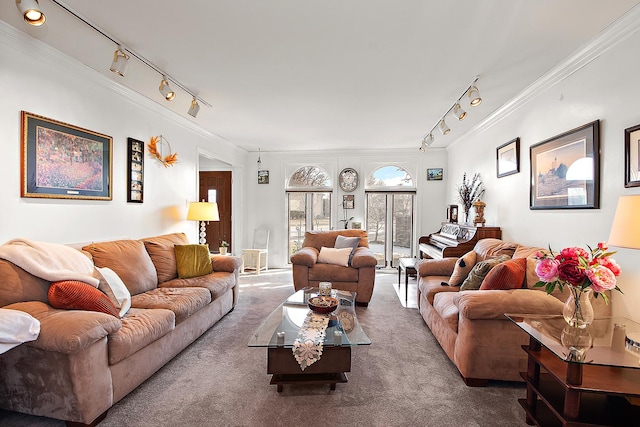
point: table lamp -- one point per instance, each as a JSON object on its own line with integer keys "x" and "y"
{"x": 203, "y": 212}
{"x": 625, "y": 230}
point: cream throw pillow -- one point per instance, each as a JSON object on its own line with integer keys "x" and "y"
{"x": 118, "y": 289}
{"x": 463, "y": 268}
{"x": 334, "y": 256}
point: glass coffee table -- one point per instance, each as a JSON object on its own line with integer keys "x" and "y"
{"x": 279, "y": 330}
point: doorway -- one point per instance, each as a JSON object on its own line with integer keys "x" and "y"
{"x": 390, "y": 226}
{"x": 216, "y": 187}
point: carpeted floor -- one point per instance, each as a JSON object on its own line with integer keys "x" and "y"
{"x": 402, "y": 379}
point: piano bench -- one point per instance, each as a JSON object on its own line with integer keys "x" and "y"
{"x": 408, "y": 265}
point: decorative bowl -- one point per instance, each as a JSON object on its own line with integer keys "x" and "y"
{"x": 323, "y": 304}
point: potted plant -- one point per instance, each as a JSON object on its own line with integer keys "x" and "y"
{"x": 223, "y": 247}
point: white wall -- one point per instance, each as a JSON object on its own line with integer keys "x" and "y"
{"x": 266, "y": 203}
{"x": 604, "y": 89}
{"x": 40, "y": 80}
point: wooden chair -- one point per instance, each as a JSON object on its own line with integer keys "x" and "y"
{"x": 257, "y": 257}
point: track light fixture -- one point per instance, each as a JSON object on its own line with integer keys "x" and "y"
{"x": 195, "y": 107}
{"x": 30, "y": 10}
{"x": 120, "y": 62}
{"x": 474, "y": 100}
{"x": 165, "y": 89}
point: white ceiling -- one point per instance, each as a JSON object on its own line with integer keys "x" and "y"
{"x": 338, "y": 74}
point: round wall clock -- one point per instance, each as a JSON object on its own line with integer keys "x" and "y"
{"x": 348, "y": 179}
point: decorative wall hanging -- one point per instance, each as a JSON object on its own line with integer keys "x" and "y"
{"x": 632, "y": 157}
{"x": 63, "y": 161}
{"x": 435, "y": 174}
{"x": 565, "y": 170}
{"x": 157, "y": 153}
{"x": 263, "y": 177}
{"x": 508, "y": 158}
{"x": 135, "y": 170}
{"x": 348, "y": 201}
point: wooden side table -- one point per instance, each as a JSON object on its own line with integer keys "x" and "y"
{"x": 408, "y": 265}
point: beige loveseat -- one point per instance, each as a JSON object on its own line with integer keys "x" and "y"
{"x": 357, "y": 277}
{"x": 470, "y": 324}
{"x": 83, "y": 362}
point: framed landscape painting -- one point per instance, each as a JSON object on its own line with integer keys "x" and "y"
{"x": 435, "y": 174}
{"x": 632, "y": 157}
{"x": 63, "y": 161}
{"x": 508, "y": 158}
{"x": 565, "y": 170}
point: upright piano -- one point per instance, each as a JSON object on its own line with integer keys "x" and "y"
{"x": 454, "y": 240}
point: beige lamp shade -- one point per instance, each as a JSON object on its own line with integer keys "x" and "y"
{"x": 625, "y": 230}
{"x": 203, "y": 211}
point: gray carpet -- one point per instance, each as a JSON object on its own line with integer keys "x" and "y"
{"x": 402, "y": 379}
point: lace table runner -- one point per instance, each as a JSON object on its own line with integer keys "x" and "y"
{"x": 307, "y": 348}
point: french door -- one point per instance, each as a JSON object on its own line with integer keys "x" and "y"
{"x": 307, "y": 211}
{"x": 390, "y": 226}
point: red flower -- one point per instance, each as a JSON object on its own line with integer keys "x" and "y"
{"x": 569, "y": 271}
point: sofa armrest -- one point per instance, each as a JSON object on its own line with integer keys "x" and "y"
{"x": 225, "y": 263}
{"x": 363, "y": 257}
{"x": 436, "y": 267}
{"x": 67, "y": 331}
{"x": 306, "y": 256}
{"x": 493, "y": 304}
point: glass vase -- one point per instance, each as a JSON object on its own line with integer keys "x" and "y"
{"x": 578, "y": 311}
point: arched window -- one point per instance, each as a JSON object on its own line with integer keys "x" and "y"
{"x": 310, "y": 177}
{"x": 388, "y": 177}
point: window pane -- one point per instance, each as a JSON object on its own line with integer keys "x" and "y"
{"x": 376, "y": 217}
{"x": 390, "y": 176}
{"x": 309, "y": 176}
{"x": 321, "y": 211}
{"x": 297, "y": 226}
{"x": 402, "y": 226}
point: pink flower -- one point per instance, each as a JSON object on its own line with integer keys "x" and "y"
{"x": 611, "y": 264}
{"x": 602, "y": 279}
{"x": 547, "y": 269}
{"x": 603, "y": 246}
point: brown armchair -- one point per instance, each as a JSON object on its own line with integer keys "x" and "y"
{"x": 358, "y": 277}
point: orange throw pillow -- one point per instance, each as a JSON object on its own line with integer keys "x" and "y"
{"x": 71, "y": 294}
{"x": 507, "y": 275}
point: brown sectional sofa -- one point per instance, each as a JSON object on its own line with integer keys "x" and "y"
{"x": 359, "y": 277}
{"x": 470, "y": 325}
{"x": 83, "y": 362}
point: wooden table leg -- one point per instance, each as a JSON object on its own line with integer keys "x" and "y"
{"x": 533, "y": 375}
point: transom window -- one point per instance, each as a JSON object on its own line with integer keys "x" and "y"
{"x": 390, "y": 176}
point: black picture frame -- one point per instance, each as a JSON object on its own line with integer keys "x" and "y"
{"x": 565, "y": 170}
{"x": 348, "y": 201}
{"x": 435, "y": 174}
{"x": 263, "y": 177}
{"x": 508, "y": 158}
{"x": 135, "y": 171}
{"x": 632, "y": 157}
{"x": 63, "y": 161}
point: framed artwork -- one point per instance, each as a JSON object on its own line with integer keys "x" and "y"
{"x": 263, "y": 177}
{"x": 435, "y": 174}
{"x": 565, "y": 170}
{"x": 62, "y": 161}
{"x": 135, "y": 170}
{"x": 348, "y": 201}
{"x": 632, "y": 157}
{"x": 508, "y": 158}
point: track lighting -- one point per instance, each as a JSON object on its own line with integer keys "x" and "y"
{"x": 120, "y": 62}
{"x": 459, "y": 112}
{"x": 474, "y": 100}
{"x": 444, "y": 129}
{"x": 30, "y": 10}
{"x": 195, "y": 107}
{"x": 474, "y": 96}
{"x": 165, "y": 89}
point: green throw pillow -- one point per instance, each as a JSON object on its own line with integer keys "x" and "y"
{"x": 193, "y": 260}
{"x": 479, "y": 271}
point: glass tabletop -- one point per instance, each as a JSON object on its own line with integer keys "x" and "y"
{"x": 608, "y": 341}
{"x": 281, "y": 327}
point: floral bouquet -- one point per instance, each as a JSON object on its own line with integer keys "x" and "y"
{"x": 578, "y": 268}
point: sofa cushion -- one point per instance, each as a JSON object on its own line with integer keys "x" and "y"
{"x": 334, "y": 256}
{"x": 71, "y": 294}
{"x": 507, "y": 275}
{"x": 182, "y": 301}
{"x": 443, "y": 304}
{"x": 17, "y": 285}
{"x": 160, "y": 249}
{"x": 193, "y": 260}
{"x": 318, "y": 239}
{"x": 217, "y": 283}
{"x": 140, "y": 327}
{"x": 129, "y": 259}
{"x": 462, "y": 269}
{"x": 491, "y": 248}
{"x": 479, "y": 271}
{"x": 347, "y": 242}
{"x": 333, "y": 273}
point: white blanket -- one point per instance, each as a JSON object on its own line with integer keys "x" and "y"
{"x": 16, "y": 327}
{"x": 49, "y": 261}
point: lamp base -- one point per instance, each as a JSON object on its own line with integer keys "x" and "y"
{"x": 203, "y": 232}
